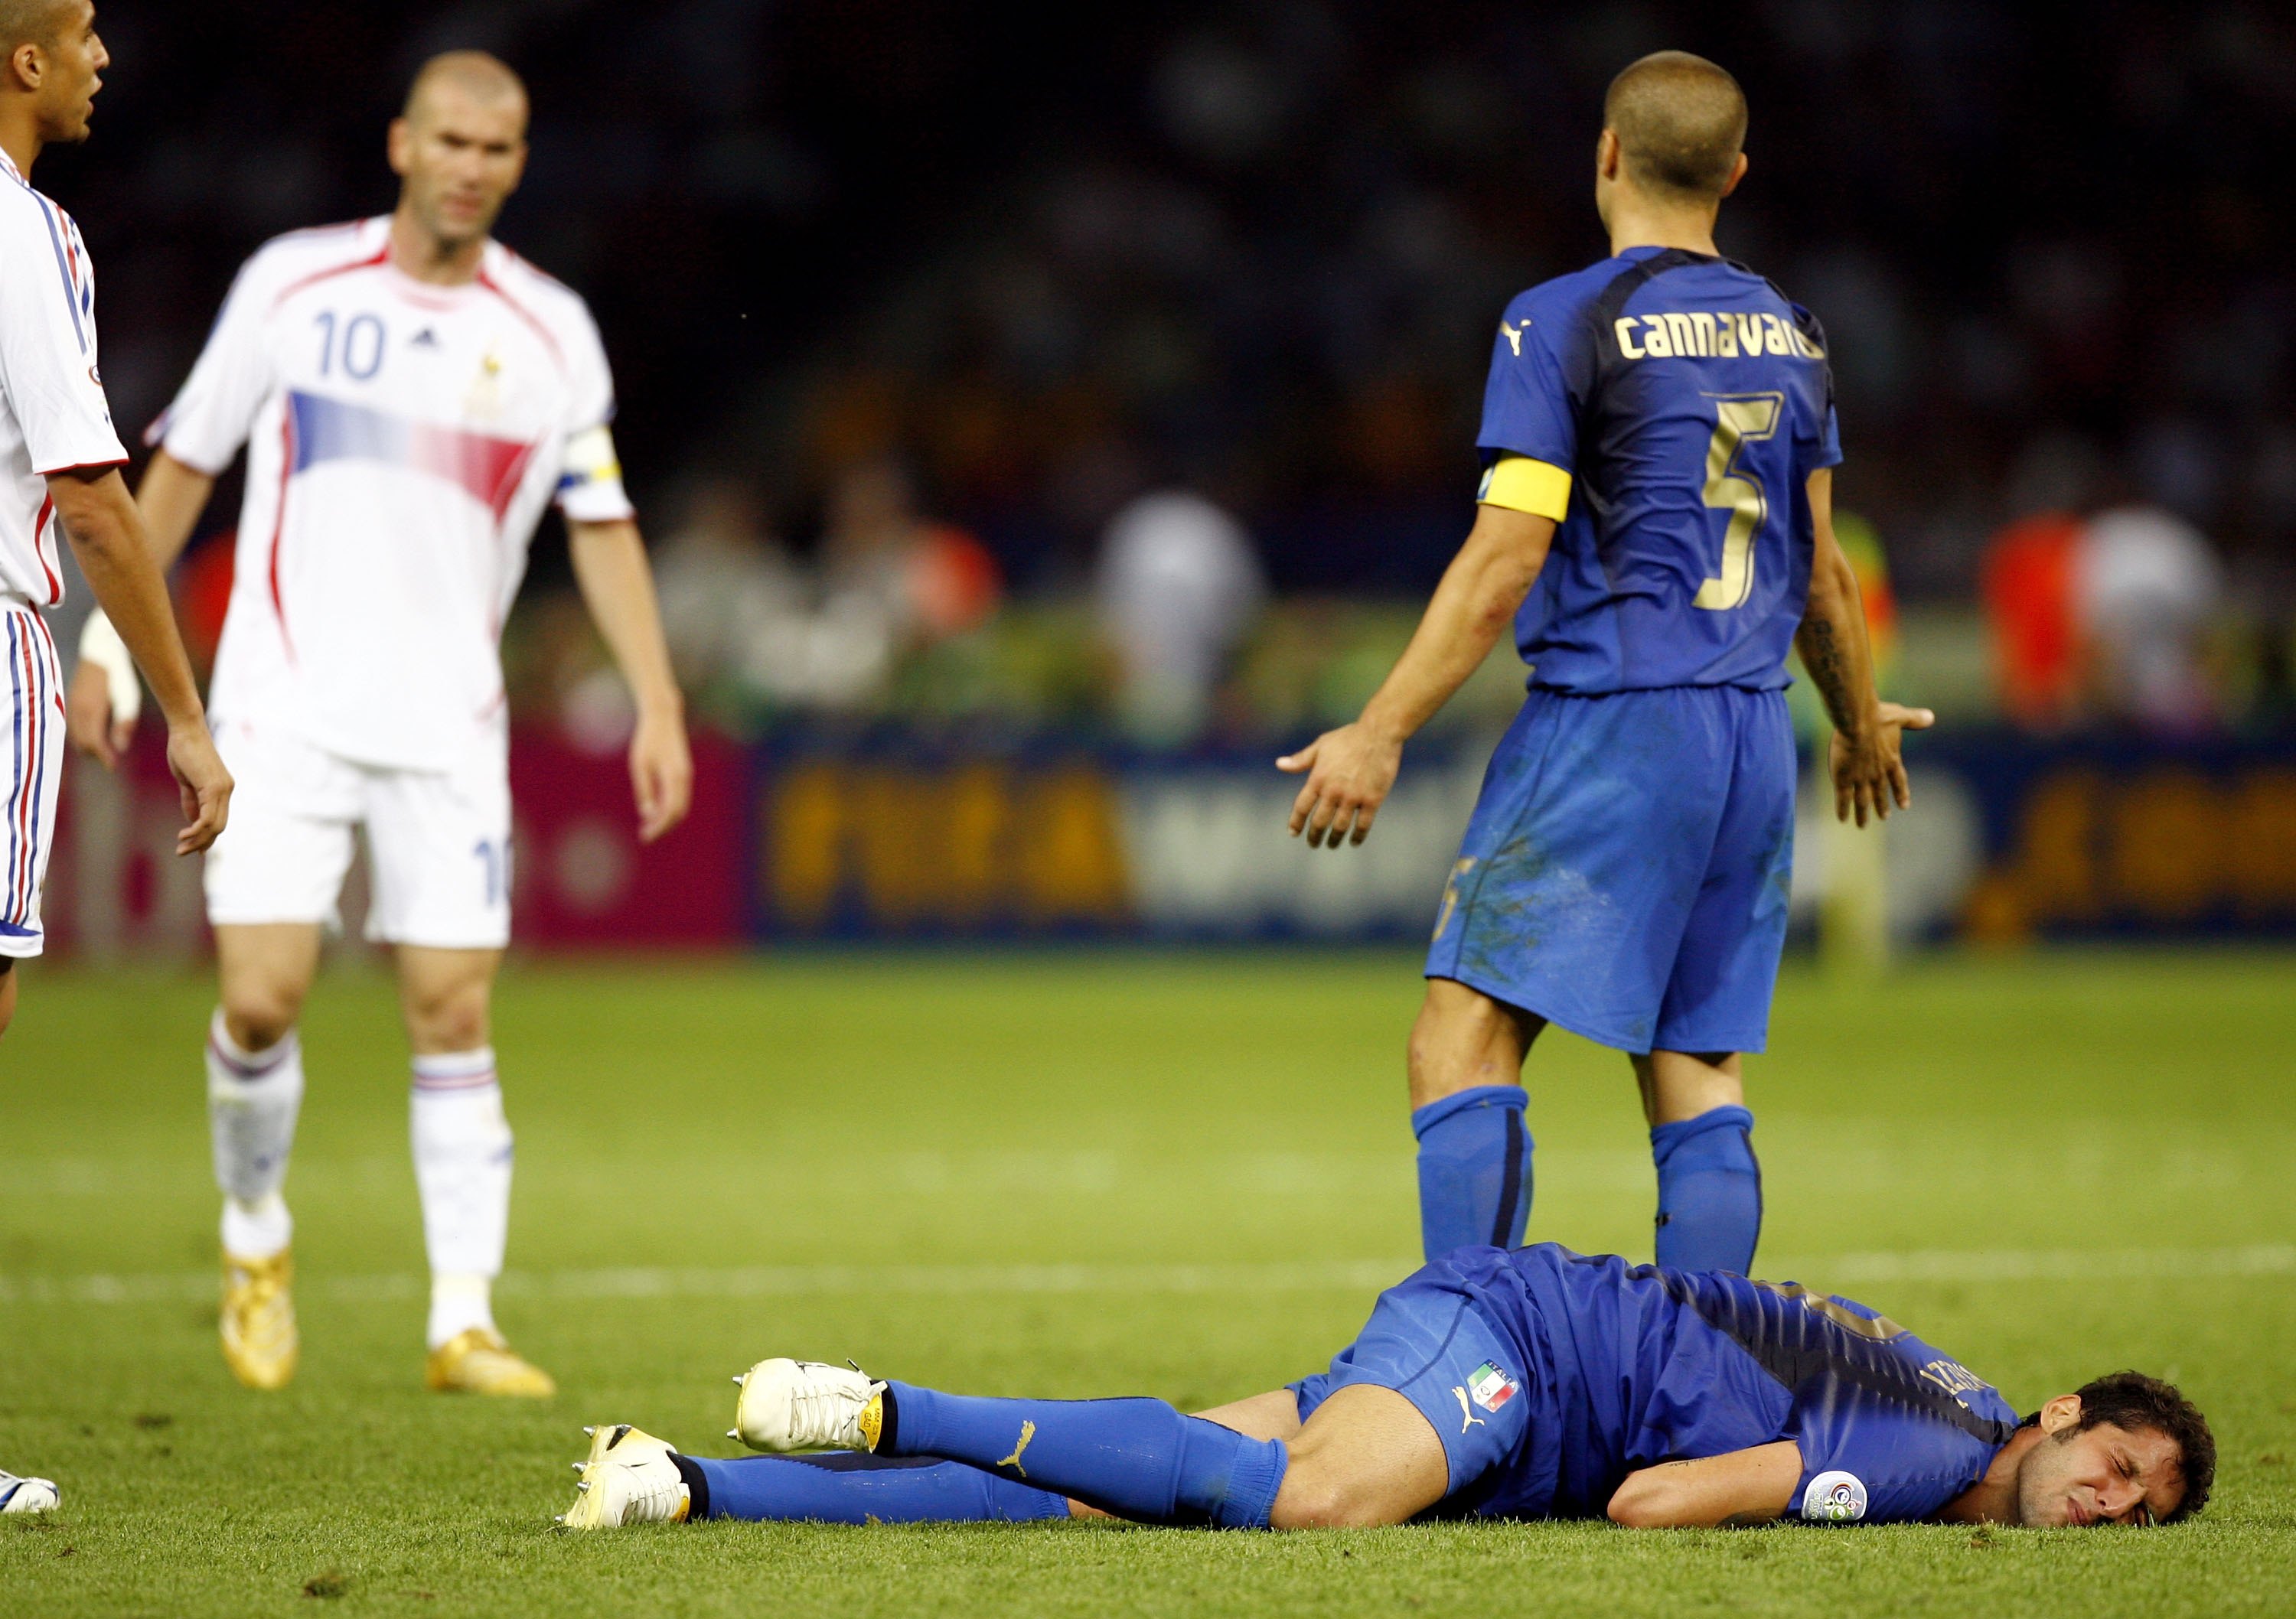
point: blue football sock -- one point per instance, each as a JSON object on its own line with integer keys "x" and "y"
{"x": 1475, "y": 1169}
{"x": 1138, "y": 1459}
{"x": 1709, "y": 1193}
{"x": 844, "y": 1487}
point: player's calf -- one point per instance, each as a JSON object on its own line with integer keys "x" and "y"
{"x": 1467, "y": 1114}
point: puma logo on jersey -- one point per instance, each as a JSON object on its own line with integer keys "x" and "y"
{"x": 1027, "y": 1431}
{"x": 1467, "y": 1417}
{"x": 1513, "y": 335}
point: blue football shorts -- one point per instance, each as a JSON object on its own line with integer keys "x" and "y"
{"x": 1626, "y": 870}
{"x": 1428, "y": 1341}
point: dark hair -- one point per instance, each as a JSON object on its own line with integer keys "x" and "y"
{"x": 1680, "y": 121}
{"x": 2133, "y": 1402}
{"x": 38, "y": 22}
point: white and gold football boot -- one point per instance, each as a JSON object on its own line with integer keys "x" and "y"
{"x": 629, "y": 1478}
{"x": 260, "y": 1343}
{"x": 807, "y": 1405}
{"x": 476, "y": 1361}
{"x": 28, "y": 1494}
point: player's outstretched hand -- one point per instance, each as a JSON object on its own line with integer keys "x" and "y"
{"x": 203, "y": 782}
{"x": 96, "y": 727}
{"x": 1869, "y": 774}
{"x": 1349, "y": 773}
{"x": 661, "y": 773}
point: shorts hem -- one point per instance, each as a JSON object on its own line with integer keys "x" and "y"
{"x": 1666, "y": 1040}
{"x": 22, "y": 950}
{"x": 1510, "y": 994}
{"x": 443, "y": 940}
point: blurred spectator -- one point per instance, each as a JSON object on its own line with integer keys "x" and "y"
{"x": 1180, "y": 587}
{"x": 2146, "y": 591}
{"x": 2105, "y": 619}
{"x": 891, "y": 582}
{"x": 730, "y": 601}
{"x": 2028, "y": 597}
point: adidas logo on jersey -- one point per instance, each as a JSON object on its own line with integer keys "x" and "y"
{"x": 1710, "y": 335}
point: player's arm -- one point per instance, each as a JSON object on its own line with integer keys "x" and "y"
{"x": 107, "y": 536}
{"x": 1750, "y": 1486}
{"x": 100, "y": 715}
{"x": 1349, "y": 771}
{"x": 610, "y": 565}
{"x": 1869, "y": 772}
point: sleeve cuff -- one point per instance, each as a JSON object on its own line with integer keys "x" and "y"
{"x": 101, "y": 464}
{"x": 1522, "y": 484}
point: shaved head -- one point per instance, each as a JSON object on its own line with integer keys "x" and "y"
{"x": 34, "y": 21}
{"x": 1680, "y": 121}
{"x": 482, "y": 78}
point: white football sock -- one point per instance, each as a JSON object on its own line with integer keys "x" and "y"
{"x": 462, "y": 1167}
{"x": 252, "y": 1100}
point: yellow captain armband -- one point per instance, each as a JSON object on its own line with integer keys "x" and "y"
{"x": 1520, "y": 484}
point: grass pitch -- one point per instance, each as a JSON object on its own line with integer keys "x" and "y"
{"x": 1107, "y": 1173}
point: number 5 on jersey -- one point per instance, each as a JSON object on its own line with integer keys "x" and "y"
{"x": 1738, "y": 421}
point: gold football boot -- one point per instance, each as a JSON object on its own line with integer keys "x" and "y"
{"x": 260, "y": 1344}
{"x": 477, "y": 1361}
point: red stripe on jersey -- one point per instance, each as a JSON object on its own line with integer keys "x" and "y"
{"x": 381, "y": 256}
{"x": 40, "y": 549}
{"x": 521, "y": 310}
{"x": 278, "y": 526}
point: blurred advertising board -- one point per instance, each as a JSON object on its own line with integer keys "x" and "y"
{"x": 907, "y": 842}
{"x": 901, "y": 840}
{"x": 581, "y": 880}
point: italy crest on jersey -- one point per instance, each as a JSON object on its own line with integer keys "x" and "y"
{"x": 1491, "y": 1387}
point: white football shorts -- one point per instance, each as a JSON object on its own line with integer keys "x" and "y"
{"x": 437, "y": 841}
{"x": 31, "y": 769}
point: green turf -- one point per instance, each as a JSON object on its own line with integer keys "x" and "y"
{"x": 2049, "y": 1167}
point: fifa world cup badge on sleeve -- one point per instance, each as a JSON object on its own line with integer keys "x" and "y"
{"x": 1834, "y": 1498}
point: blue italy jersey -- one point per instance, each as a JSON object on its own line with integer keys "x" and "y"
{"x": 1689, "y": 401}
{"x": 1622, "y": 1367}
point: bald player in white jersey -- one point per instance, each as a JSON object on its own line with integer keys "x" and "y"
{"x": 60, "y": 463}
{"x": 412, "y": 395}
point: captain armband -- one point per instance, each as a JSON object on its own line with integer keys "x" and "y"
{"x": 590, "y": 459}
{"x": 1522, "y": 484}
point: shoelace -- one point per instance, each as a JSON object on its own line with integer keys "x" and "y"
{"x": 649, "y": 1503}
{"x": 811, "y": 1423}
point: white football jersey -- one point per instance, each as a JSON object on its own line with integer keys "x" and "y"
{"x": 403, "y": 440}
{"x": 52, "y": 414}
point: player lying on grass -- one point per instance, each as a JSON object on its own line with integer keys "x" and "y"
{"x": 1531, "y": 1383}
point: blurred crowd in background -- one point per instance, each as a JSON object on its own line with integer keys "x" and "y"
{"x": 1118, "y": 371}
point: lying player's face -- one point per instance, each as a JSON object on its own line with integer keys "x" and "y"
{"x": 74, "y": 61}
{"x": 460, "y": 156}
{"x": 2104, "y": 1474}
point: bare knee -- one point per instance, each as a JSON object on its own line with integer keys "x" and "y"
{"x": 1316, "y": 1497}
{"x": 259, "y": 1008}
{"x": 447, "y": 1016}
{"x": 1462, "y": 1038}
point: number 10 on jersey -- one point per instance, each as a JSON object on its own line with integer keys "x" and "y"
{"x": 1740, "y": 420}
